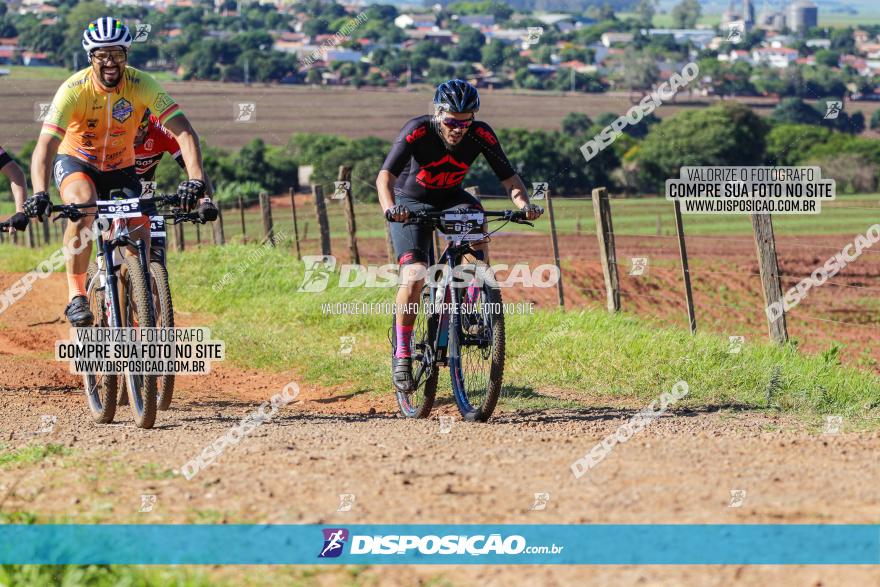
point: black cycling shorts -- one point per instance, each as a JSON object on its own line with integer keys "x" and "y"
{"x": 417, "y": 238}
{"x": 67, "y": 168}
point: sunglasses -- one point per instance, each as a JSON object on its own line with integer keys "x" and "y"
{"x": 117, "y": 56}
{"x": 453, "y": 123}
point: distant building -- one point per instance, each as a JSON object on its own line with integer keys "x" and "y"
{"x": 742, "y": 16}
{"x": 780, "y": 57}
{"x": 801, "y": 16}
{"x": 819, "y": 43}
{"x": 478, "y": 21}
{"x": 699, "y": 37}
{"x": 415, "y": 21}
{"x": 611, "y": 38}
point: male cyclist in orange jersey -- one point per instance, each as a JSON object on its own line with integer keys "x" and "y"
{"x": 17, "y": 183}
{"x": 89, "y": 131}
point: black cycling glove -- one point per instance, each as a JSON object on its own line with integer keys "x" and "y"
{"x": 396, "y": 210}
{"x": 190, "y": 191}
{"x": 19, "y": 221}
{"x": 37, "y": 205}
{"x": 207, "y": 211}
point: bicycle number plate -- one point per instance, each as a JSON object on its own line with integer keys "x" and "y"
{"x": 130, "y": 208}
{"x": 157, "y": 226}
{"x": 463, "y": 225}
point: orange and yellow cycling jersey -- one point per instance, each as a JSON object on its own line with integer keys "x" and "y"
{"x": 98, "y": 124}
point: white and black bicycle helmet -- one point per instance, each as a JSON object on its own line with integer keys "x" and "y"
{"x": 106, "y": 32}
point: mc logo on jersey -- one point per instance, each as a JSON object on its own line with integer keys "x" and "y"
{"x": 445, "y": 173}
{"x": 122, "y": 110}
{"x": 334, "y": 541}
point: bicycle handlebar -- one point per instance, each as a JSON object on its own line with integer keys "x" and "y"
{"x": 424, "y": 217}
{"x": 73, "y": 211}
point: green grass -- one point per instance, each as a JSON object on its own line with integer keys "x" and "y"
{"x": 267, "y": 324}
{"x": 192, "y": 576}
{"x": 31, "y": 454}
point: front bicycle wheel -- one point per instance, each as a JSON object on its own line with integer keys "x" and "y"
{"x": 141, "y": 389}
{"x": 419, "y": 402}
{"x": 164, "y": 313}
{"x": 100, "y": 389}
{"x": 476, "y": 351}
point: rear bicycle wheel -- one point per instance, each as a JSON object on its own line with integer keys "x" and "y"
{"x": 141, "y": 389}
{"x": 100, "y": 389}
{"x": 164, "y": 313}
{"x": 419, "y": 402}
{"x": 476, "y": 352}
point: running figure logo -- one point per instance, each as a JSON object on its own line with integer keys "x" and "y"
{"x": 833, "y": 109}
{"x": 334, "y": 540}
{"x": 142, "y": 32}
{"x": 317, "y": 274}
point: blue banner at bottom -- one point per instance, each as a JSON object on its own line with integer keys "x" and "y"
{"x": 441, "y": 544}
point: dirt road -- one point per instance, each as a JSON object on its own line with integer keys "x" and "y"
{"x": 293, "y": 469}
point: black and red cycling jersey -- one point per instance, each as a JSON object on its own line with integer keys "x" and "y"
{"x": 428, "y": 171}
{"x": 157, "y": 142}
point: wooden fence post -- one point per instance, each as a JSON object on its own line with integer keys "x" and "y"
{"x": 607, "y": 251}
{"x": 295, "y": 224}
{"x": 555, "y": 242}
{"x": 766, "y": 245}
{"x": 266, "y": 211}
{"x": 179, "y": 239}
{"x": 685, "y": 269}
{"x": 15, "y": 238}
{"x": 241, "y": 213}
{"x": 198, "y": 234}
{"x": 345, "y": 175}
{"x": 31, "y": 238}
{"x": 323, "y": 223}
{"x": 47, "y": 236}
{"x": 217, "y": 228}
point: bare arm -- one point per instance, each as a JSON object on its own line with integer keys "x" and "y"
{"x": 385, "y": 184}
{"x": 516, "y": 189}
{"x": 41, "y": 161}
{"x": 17, "y": 182}
{"x": 190, "y": 149}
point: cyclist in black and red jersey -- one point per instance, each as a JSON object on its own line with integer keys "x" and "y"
{"x": 18, "y": 185}
{"x": 424, "y": 172}
{"x": 151, "y": 141}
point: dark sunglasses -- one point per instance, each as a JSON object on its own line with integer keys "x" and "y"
{"x": 117, "y": 56}
{"x": 454, "y": 123}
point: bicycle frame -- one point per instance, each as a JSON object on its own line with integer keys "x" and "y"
{"x": 109, "y": 275}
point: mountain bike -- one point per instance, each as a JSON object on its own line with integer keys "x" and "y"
{"x": 459, "y": 324}
{"x": 119, "y": 295}
{"x": 160, "y": 290}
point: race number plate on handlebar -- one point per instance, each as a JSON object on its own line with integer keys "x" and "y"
{"x": 130, "y": 208}
{"x": 157, "y": 226}
{"x": 465, "y": 225}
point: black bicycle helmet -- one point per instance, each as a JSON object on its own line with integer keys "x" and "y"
{"x": 457, "y": 96}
